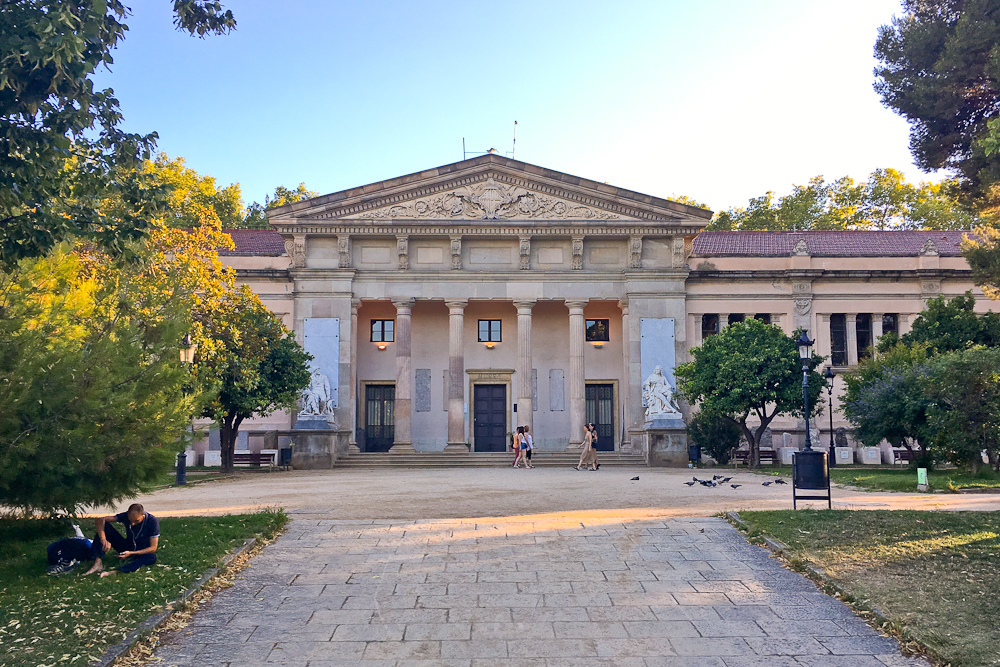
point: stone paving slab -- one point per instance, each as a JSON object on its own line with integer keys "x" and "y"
{"x": 543, "y": 591}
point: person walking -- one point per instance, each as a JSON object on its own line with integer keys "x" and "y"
{"x": 588, "y": 441}
{"x": 518, "y": 439}
{"x": 528, "y": 446}
{"x": 592, "y": 457}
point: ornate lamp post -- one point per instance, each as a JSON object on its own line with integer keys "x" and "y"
{"x": 829, "y": 390}
{"x": 187, "y": 358}
{"x": 809, "y": 467}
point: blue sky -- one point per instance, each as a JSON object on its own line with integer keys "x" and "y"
{"x": 720, "y": 100}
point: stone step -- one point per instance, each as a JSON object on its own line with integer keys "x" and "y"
{"x": 491, "y": 459}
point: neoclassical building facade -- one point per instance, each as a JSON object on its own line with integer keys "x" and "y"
{"x": 447, "y": 307}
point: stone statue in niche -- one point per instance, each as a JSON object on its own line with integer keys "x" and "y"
{"x": 659, "y": 396}
{"x": 317, "y": 399}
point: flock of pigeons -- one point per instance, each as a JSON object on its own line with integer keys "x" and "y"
{"x": 719, "y": 479}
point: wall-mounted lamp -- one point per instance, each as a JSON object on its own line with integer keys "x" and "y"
{"x": 598, "y": 345}
{"x": 489, "y": 346}
{"x": 381, "y": 346}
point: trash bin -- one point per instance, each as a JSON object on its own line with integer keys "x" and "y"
{"x": 285, "y": 457}
{"x": 694, "y": 453}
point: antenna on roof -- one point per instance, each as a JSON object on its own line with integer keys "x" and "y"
{"x": 466, "y": 154}
{"x": 514, "y": 145}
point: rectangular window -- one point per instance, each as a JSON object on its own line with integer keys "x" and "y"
{"x": 383, "y": 331}
{"x": 763, "y": 317}
{"x": 598, "y": 331}
{"x": 489, "y": 331}
{"x": 838, "y": 339}
{"x": 736, "y": 317}
{"x": 709, "y": 325}
{"x": 890, "y": 323}
{"x": 864, "y": 329}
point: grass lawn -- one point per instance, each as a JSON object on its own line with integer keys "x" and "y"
{"x": 935, "y": 575}
{"x": 71, "y": 620}
{"x": 902, "y": 478}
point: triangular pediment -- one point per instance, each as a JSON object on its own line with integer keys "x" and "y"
{"x": 491, "y": 189}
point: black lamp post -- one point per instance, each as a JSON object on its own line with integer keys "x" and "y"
{"x": 187, "y": 358}
{"x": 829, "y": 389}
{"x": 809, "y": 467}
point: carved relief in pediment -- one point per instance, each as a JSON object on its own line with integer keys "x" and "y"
{"x": 489, "y": 201}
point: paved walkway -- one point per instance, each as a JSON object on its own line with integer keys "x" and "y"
{"x": 544, "y": 590}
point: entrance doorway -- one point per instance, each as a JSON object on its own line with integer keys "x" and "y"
{"x": 380, "y": 417}
{"x": 490, "y": 417}
{"x": 601, "y": 412}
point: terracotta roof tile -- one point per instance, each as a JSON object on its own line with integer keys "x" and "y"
{"x": 259, "y": 242}
{"x": 827, "y": 244}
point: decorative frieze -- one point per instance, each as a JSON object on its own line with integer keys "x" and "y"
{"x": 344, "y": 251}
{"x": 635, "y": 252}
{"x": 456, "y": 252}
{"x": 524, "y": 250}
{"x": 578, "y": 252}
{"x": 403, "y": 252}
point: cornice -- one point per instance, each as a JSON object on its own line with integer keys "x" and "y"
{"x": 828, "y": 274}
{"x": 656, "y": 228}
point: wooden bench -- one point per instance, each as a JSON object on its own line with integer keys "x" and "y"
{"x": 253, "y": 459}
{"x": 741, "y": 456}
{"x": 902, "y": 455}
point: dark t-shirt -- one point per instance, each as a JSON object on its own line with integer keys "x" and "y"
{"x": 139, "y": 535}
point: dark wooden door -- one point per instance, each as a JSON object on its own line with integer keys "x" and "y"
{"x": 380, "y": 417}
{"x": 490, "y": 417}
{"x": 601, "y": 412}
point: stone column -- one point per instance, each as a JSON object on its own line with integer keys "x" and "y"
{"x": 456, "y": 377}
{"x": 876, "y": 328}
{"x": 723, "y": 321}
{"x": 824, "y": 343}
{"x": 353, "y": 391}
{"x": 404, "y": 378}
{"x": 577, "y": 378}
{"x": 852, "y": 339}
{"x": 525, "y": 406}
{"x": 904, "y": 324}
{"x": 623, "y": 391}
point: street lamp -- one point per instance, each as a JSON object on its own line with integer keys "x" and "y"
{"x": 829, "y": 390}
{"x": 188, "y": 348}
{"x": 804, "y": 354}
{"x": 809, "y": 467}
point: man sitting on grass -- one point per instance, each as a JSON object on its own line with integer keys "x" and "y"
{"x": 142, "y": 536}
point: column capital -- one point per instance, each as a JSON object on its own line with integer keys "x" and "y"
{"x": 526, "y": 305}
{"x": 403, "y": 305}
{"x": 577, "y": 304}
{"x": 823, "y": 317}
{"x": 623, "y": 305}
{"x": 456, "y": 306}
{"x": 851, "y": 317}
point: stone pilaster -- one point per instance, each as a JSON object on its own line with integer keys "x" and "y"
{"x": 403, "y": 251}
{"x": 577, "y": 377}
{"x": 626, "y": 353}
{"x": 404, "y": 378}
{"x": 525, "y": 403}
{"x": 577, "y": 252}
{"x": 904, "y": 323}
{"x": 723, "y": 321}
{"x": 353, "y": 391}
{"x": 824, "y": 342}
{"x": 876, "y": 328}
{"x": 852, "y": 339}
{"x": 344, "y": 251}
{"x": 524, "y": 252}
{"x": 456, "y": 376}
{"x": 456, "y": 252}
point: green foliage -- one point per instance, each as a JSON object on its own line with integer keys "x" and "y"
{"x": 718, "y": 436}
{"x": 946, "y": 325}
{"x": 251, "y": 358}
{"x": 256, "y": 216}
{"x": 91, "y": 385}
{"x": 982, "y": 252}
{"x": 191, "y": 194}
{"x": 62, "y": 151}
{"x": 749, "y": 369}
{"x": 940, "y": 69}
{"x": 884, "y": 201}
{"x": 72, "y": 620}
{"x": 886, "y": 399}
{"x": 964, "y": 413}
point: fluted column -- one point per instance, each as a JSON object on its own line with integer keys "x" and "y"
{"x": 852, "y": 339}
{"x": 723, "y": 321}
{"x": 353, "y": 391}
{"x": 876, "y": 328}
{"x": 525, "y": 407}
{"x": 456, "y": 376}
{"x": 402, "y": 442}
{"x": 577, "y": 378}
{"x": 623, "y": 392}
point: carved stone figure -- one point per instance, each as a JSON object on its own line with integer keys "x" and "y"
{"x": 317, "y": 399}
{"x": 659, "y": 396}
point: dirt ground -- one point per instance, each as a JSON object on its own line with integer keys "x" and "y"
{"x": 453, "y": 493}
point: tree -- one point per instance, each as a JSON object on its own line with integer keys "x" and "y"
{"x": 256, "y": 217}
{"x": 884, "y": 201}
{"x": 51, "y": 118}
{"x": 964, "y": 389}
{"x": 940, "y": 69}
{"x": 251, "y": 358}
{"x": 718, "y": 436}
{"x": 983, "y": 255}
{"x": 886, "y": 400}
{"x": 948, "y": 325}
{"x": 749, "y": 369}
{"x": 190, "y": 192}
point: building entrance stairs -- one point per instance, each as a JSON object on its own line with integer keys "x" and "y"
{"x": 480, "y": 459}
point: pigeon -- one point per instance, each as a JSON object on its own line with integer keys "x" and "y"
{"x": 689, "y": 483}
{"x": 726, "y": 479}
{"x": 767, "y": 484}
{"x": 696, "y": 479}
{"x": 780, "y": 481}
{"x": 716, "y": 477}
{"x": 634, "y": 479}
{"x": 736, "y": 486}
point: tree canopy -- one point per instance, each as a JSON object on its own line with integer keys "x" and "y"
{"x": 52, "y": 118}
{"x": 940, "y": 69}
{"x": 884, "y": 201}
{"x": 749, "y": 370}
{"x": 256, "y": 217}
{"x": 946, "y": 325}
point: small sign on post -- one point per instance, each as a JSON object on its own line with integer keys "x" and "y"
{"x": 922, "y": 484}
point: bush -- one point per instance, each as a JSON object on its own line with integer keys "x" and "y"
{"x": 716, "y": 435}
